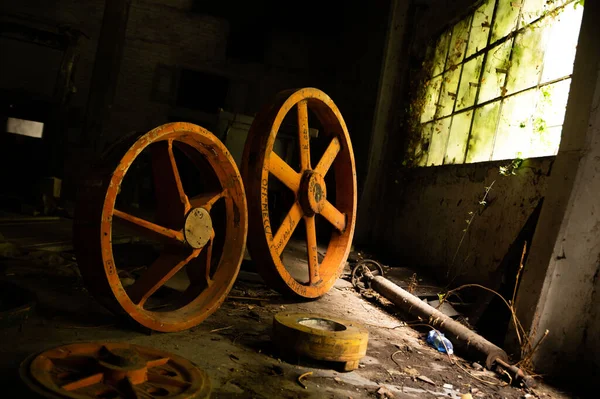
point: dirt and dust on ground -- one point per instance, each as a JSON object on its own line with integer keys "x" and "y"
{"x": 234, "y": 345}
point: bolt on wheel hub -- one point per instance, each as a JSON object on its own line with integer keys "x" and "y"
{"x": 113, "y": 370}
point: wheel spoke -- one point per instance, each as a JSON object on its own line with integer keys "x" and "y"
{"x": 335, "y": 217}
{"x": 284, "y": 172}
{"x": 83, "y": 382}
{"x": 198, "y": 270}
{"x": 167, "y": 265}
{"x": 207, "y": 201}
{"x": 303, "y": 135}
{"x": 285, "y": 231}
{"x": 171, "y": 202}
{"x": 159, "y": 379}
{"x": 328, "y": 157}
{"x": 147, "y": 228}
{"x": 311, "y": 250}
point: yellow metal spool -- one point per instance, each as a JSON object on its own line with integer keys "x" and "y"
{"x": 320, "y": 337}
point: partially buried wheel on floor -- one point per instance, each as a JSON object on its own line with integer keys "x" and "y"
{"x": 112, "y": 370}
{"x": 193, "y": 222}
{"x": 321, "y": 181}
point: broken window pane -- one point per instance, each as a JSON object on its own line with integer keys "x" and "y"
{"x": 439, "y": 138}
{"x": 481, "y": 142}
{"x": 494, "y": 73}
{"x": 562, "y": 43}
{"x": 515, "y": 126}
{"x": 527, "y": 58}
{"x": 431, "y": 93}
{"x": 441, "y": 51}
{"x": 459, "y": 134}
{"x": 458, "y": 44}
{"x": 480, "y": 29}
{"x": 507, "y": 13}
{"x": 448, "y": 93}
{"x": 469, "y": 82}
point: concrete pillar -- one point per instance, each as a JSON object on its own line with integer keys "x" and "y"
{"x": 559, "y": 289}
{"x": 393, "y": 70}
{"x": 105, "y": 74}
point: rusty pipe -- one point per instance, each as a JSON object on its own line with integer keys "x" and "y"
{"x": 462, "y": 338}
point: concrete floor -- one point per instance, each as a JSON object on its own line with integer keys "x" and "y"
{"x": 240, "y": 358}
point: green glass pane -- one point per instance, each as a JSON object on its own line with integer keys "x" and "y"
{"x": 534, "y": 9}
{"x": 507, "y": 13}
{"x": 457, "y": 141}
{"x": 551, "y": 105}
{"x": 494, "y": 72}
{"x": 546, "y": 144}
{"x": 448, "y": 93}
{"x": 480, "y": 29}
{"x": 441, "y": 51}
{"x": 527, "y": 58}
{"x": 469, "y": 82}
{"x": 431, "y": 92}
{"x": 458, "y": 44}
{"x": 513, "y": 137}
{"x": 422, "y": 148}
{"x": 439, "y": 138}
{"x": 562, "y": 43}
{"x": 481, "y": 142}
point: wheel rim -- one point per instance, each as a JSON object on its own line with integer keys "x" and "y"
{"x": 266, "y": 242}
{"x": 183, "y": 224}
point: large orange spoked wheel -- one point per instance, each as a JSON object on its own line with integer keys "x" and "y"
{"x": 334, "y": 202}
{"x": 197, "y": 226}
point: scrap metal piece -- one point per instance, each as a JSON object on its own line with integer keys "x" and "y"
{"x": 113, "y": 370}
{"x": 469, "y": 341}
{"x": 320, "y": 337}
{"x": 364, "y": 271}
{"x": 208, "y": 250}
{"x": 335, "y": 204}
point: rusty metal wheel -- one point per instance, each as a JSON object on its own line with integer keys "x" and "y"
{"x": 334, "y": 201}
{"x": 198, "y": 226}
{"x": 113, "y": 370}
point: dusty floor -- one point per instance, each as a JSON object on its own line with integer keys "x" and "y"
{"x": 234, "y": 344}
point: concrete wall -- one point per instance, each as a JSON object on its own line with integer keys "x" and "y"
{"x": 417, "y": 216}
{"x": 559, "y": 289}
{"x": 424, "y": 211}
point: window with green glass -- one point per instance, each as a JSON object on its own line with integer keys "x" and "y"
{"x": 498, "y": 83}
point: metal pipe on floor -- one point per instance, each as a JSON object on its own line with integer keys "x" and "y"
{"x": 461, "y": 337}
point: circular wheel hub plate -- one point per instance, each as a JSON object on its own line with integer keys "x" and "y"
{"x": 320, "y": 337}
{"x": 319, "y": 180}
{"x": 113, "y": 370}
{"x": 194, "y": 220}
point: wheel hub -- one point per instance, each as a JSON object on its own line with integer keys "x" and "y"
{"x": 198, "y": 228}
{"x": 313, "y": 192}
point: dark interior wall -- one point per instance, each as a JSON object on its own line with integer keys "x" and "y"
{"x": 355, "y": 72}
{"x": 85, "y": 16}
{"x": 259, "y": 49}
{"x": 422, "y": 212}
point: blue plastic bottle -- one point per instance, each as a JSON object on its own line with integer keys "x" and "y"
{"x": 437, "y": 340}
